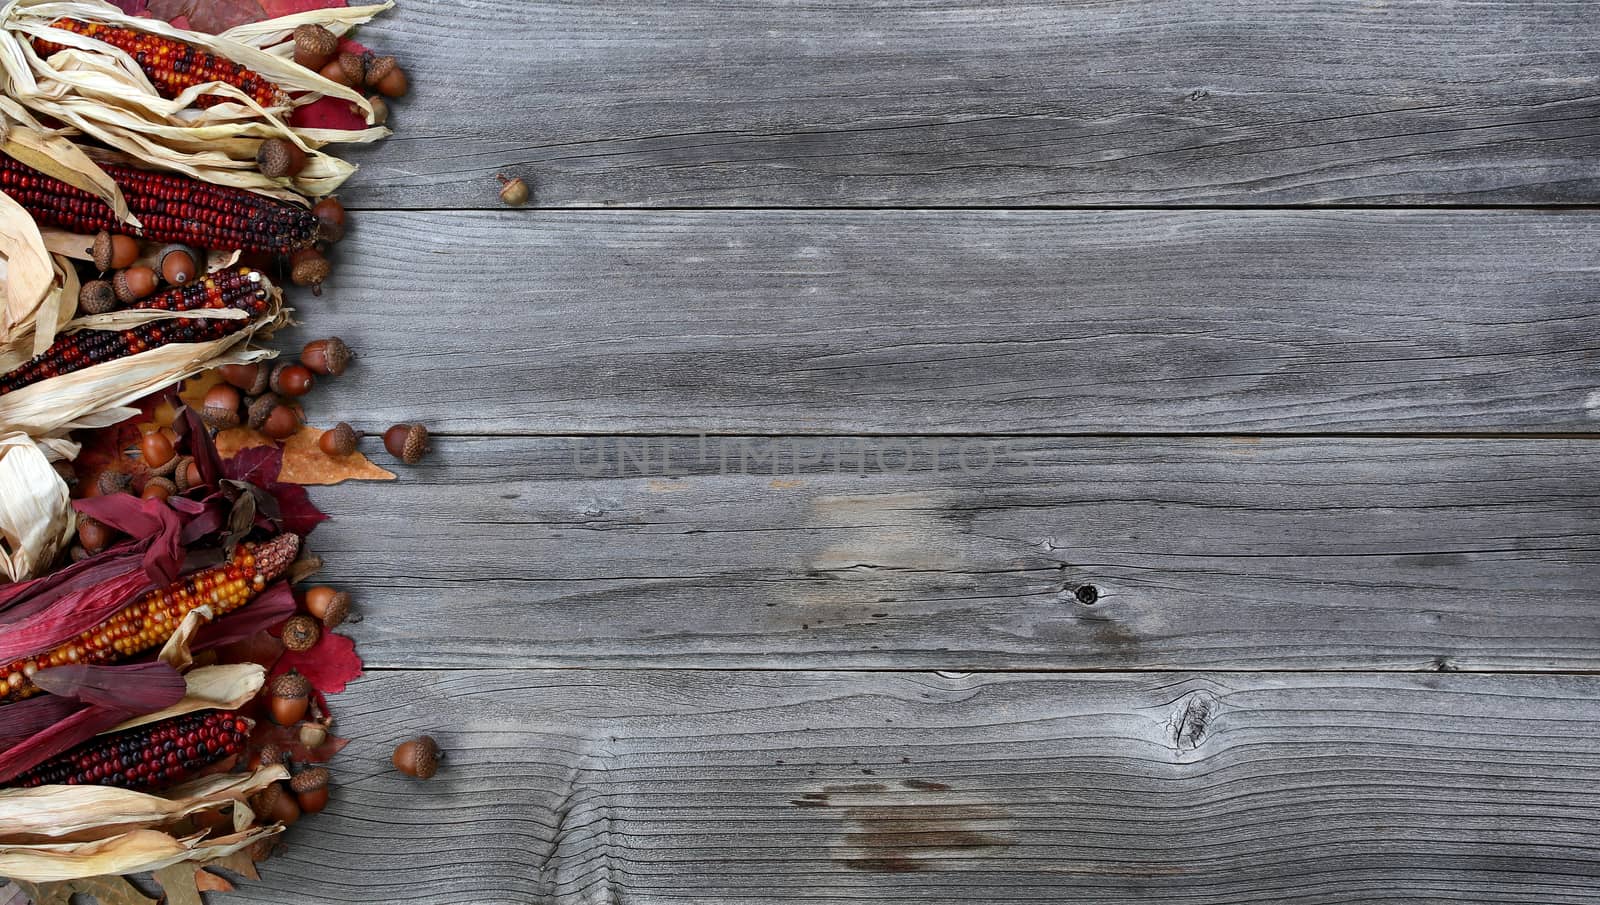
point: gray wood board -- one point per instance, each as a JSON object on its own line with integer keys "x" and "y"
{"x": 969, "y": 553}
{"x": 752, "y": 788}
{"x": 694, "y": 103}
{"x": 960, "y": 322}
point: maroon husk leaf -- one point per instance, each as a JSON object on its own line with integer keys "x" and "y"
{"x": 71, "y": 615}
{"x": 27, "y": 718}
{"x": 204, "y": 450}
{"x": 259, "y": 465}
{"x": 272, "y": 606}
{"x": 63, "y": 735}
{"x": 142, "y": 519}
{"x": 135, "y": 687}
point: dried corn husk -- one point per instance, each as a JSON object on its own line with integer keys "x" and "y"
{"x": 84, "y": 813}
{"x": 36, "y": 518}
{"x": 226, "y": 687}
{"x": 100, "y": 395}
{"x": 126, "y": 853}
{"x": 98, "y": 90}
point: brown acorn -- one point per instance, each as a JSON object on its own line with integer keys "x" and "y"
{"x": 291, "y": 379}
{"x": 301, "y": 633}
{"x": 329, "y": 357}
{"x": 180, "y": 264}
{"x": 186, "y": 475}
{"x": 156, "y": 448}
{"x": 279, "y": 158}
{"x": 513, "y": 190}
{"x": 96, "y": 297}
{"x": 220, "y": 407}
{"x": 159, "y": 489}
{"x": 277, "y": 804}
{"x": 94, "y": 535}
{"x": 260, "y": 408}
{"x": 307, "y": 267}
{"x": 269, "y": 754}
{"x": 314, "y": 46}
{"x": 310, "y": 788}
{"x": 406, "y": 442}
{"x": 418, "y": 757}
{"x": 340, "y": 441}
{"x": 113, "y": 480}
{"x": 290, "y": 696}
{"x": 354, "y": 67}
{"x": 329, "y": 605}
{"x": 133, "y": 284}
{"x": 330, "y": 216}
{"x": 113, "y": 252}
{"x": 251, "y": 378}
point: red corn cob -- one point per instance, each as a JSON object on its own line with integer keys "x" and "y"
{"x": 172, "y": 65}
{"x": 145, "y": 757}
{"x": 149, "y": 621}
{"x": 172, "y": 208}
{"x": 239, "y": 287}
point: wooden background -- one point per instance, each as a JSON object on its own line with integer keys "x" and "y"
{"x": 975, "y": 451}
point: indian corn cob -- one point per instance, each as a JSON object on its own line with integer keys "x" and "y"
{"x": 145, "y": 757}
{"x": 237, "y": 287}
{"x": 172, "y": 208}
{"x": 172, "y": 65}
{"x": 149, "y": 621}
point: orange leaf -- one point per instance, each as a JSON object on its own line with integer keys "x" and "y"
{"x": 304, "y": 462}
{"x": 205, "y": 881}
{"x": 235, "y": 439}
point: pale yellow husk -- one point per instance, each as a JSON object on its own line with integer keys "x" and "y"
{"x": 127, "y": 853}
{"x": 226, "y": 687}
{"x": 98, "y": 90}
{"x": 36, "y": 517}
{"x": 84, "y": 813}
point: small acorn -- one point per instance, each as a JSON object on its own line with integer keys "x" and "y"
{"x": 113, "y": 252}
{"x": 418, "y": 757}
{"x": 310, "y": 788}
{"x": 251, "y": 378}
{"x": 291, "y": 379}
{"x": 269, "y": 754}
{"x": 159, "y": 489}
{"x": 180, "y": 264}
{"x": 113, "y": 480}
{"x": 307, "y": 267}
{"x": 380, "y": 110}
{"x": 330, "y": 219}
{"x": 220, "y": 407}
{"x": 385, "y": 74}
{"x": 277, "y": 804}
{"x": 301, "y": 633}
{"x": 314, "y": 46}
{"x": 513, "y": 190}
{"x": 133, "y": 283}
{"x": 96, "y": 297}
{"x": 290, "y": 697}
{"x": 406, "y": 442}
{"x": 279, "y": 158}
{"x": 93, "y": 534}
{"x": 270, "y": 416}
{"x": 156, "y": 448}
{"x": 186, "y": 475}
{"x": 354, "y": 66}
{"x": 334, "y": 72}
{"x": 313, "y": 735}
{"x": 340, "y": 441}
{"x": 329, "y": 357}
{"x": 329, "y": 605}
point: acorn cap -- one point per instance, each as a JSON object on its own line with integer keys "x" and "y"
{"x": 114, "y": 480}
{"x": 219, "y": 417}
{"x": 133, "y": 283}
{"x": 96, "y": 297}
{"x": 329, "y": 356}
{"x": 342, "y": 438}
{"x": 301, "y": 634}
{"x": 338, "y": 610}
{"x": 307, "y": 267}
{"x": 102, "y": 250}
{"x": 378, "y": 68}
{"x": 260, "y": 408}
{"x": 418, "y": 757}
{"x": 278, "y": 158}
{"x": 165, "y": 482}
{"x": 180, "y": 474}
{"x": 355, "y": 68}
{"x": 291, "y": 685}
{"x": 310, "y": 779}
{"x": 314, "y": 44}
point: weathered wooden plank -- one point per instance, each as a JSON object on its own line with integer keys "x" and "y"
{"x": 933, "y": 322}
{"x": 968, "y": 553}
{"x": 1003, "y": 103}
{"x": 714, "y": 787}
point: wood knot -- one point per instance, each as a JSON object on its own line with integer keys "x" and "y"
{"x": 1191, "y": 720}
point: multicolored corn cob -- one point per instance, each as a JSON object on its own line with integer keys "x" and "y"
{"x": 146, "y": 757}
{"x": 172, "y": 208}
{"x": 237, "y": 287}
{"x": 149, "y": 621}
{"x": 172, "y": 65}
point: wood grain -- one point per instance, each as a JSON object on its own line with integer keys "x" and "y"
{"x": 715, "y": 787}
{"x": 1003, "y": 103}
{"x": 962, "y": 322}
{"x": 977, "y": 553}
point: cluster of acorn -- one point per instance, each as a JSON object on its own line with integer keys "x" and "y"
{"x": 122, "y": 281}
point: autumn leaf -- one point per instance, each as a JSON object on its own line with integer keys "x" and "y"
{"x": 105, "y": 890}
{"x": 206, "y": 881}
{"x": 304, "y": 462}
{"x": 328, "y": 667}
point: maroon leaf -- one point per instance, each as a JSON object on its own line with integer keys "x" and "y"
{"x": 273, "y": 606}
{"x": 63, "y": 735}
{"x": 27, "y": 718}
{"x": 134, "y": 687}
